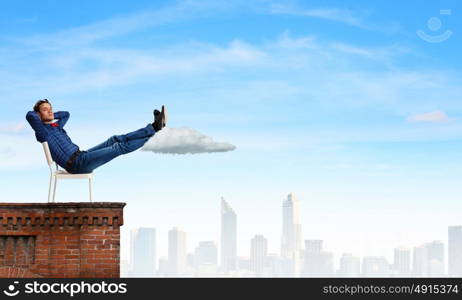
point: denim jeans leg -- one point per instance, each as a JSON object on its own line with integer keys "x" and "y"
{"x": 147, "y": 131}
{"x": 86, "y": 162}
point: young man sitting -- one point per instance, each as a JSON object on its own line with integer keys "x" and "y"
{"x": 68, "y": 155}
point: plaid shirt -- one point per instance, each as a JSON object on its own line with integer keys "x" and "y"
{"x": 61, "y": 146}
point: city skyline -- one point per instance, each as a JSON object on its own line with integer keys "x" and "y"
{"x": 428, "y": 259}
{"x": 349, "y": 265}
{"x": 275, "y": 243}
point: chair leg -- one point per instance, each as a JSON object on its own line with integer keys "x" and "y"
{"x": 49, "y": 189}
{"x": 54, "y": 188}
{"x": 89, "y": 185}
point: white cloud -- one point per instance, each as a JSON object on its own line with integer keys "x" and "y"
{"x": 356, "y": 18}
{"x": 183, "y": 141}
{"x": 339, "y": 166}
{"x": 384, "y": 166}
{"x": 434, "y": 116}
{"x": 285, "y": 41}
{"x": 333, "y": 14}
{"x": 19, "y": 151}
{"x": 125, "y": 24}
{"x": 78, "y": 63}
{"x": 68, "y": 70}
{"x": 378, "y": 53}
{"x": 21, "y": 21}
{"x": 377, "y": 166}
{"x": 12, "y": 127}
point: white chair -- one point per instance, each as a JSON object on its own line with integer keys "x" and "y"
{"x": 58, "y": 174}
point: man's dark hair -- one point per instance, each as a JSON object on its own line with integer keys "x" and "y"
{"x": 40, "y": 102}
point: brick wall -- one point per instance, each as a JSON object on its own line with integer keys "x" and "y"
{"x": 60, "y": 239}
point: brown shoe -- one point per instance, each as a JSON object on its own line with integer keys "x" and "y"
{"x": 160, "y": 119}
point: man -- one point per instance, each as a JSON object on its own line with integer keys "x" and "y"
{"x": 68, "y": 155}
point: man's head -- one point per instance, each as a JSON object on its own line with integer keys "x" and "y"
{"x": 44, "y": 109}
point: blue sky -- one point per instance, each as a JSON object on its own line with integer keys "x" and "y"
{"x": 340, "y": 102}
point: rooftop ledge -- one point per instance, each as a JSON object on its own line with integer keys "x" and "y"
{"x": 61, "y": 213}
{"x": 62, "y": 205}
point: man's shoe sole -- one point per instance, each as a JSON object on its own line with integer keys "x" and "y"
{"x": 164, "y": 116}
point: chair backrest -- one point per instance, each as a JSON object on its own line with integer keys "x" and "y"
{"x": 47, "y": 153}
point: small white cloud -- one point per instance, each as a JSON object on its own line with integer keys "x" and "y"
{"x": 339, "y": 166}
{"x": 285, "y": 41}
{"x": 434, "y": 116}
{"x": 12, "y": 128}
{"x": 333, "y": 14}
{"x": 25, "y": 20}
{"x": 182, "y": 141}
{"x": 20, "y": 151}
{"x": 383, "y": 166}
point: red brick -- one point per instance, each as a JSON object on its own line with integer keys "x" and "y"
{"x": 65, "y": 245}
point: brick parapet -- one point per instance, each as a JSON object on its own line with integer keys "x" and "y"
{"x": 61, "y": 239}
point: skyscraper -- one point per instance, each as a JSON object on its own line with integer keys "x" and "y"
{"x": 228, "y": 245}
{"x": 205, "y": 254}
{"x": 436, "y": 258}
{"x": 317, "y": 263}
{"x": 280, "y": 266}
{"x": 420, "y": 261}
{"x": 291, "y": 228}
{"x": 206, "y": 259}
{"x": 143, "y": 252}
{"x": 349, "y": 266}
{"x": 258, "y": 254}
{"x": 176, "y": 252}
{"x": 313, "y": 246}
{"x": 402, "y": 262}
{"x": 163, "y": 269}
{"x": 455, "y": 251}
{"x": 429, "y": 260}
{"x": 375, "y": 266}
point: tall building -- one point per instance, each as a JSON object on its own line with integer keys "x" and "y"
{"x": 317, "y": 263}
{"x": 125, "y": 268}
{"x": 243, "y": 264}
{"x": 176, "y": 252}
{"x": 291, "y": 228}
{"x": 402, "y": 262}
{"x": 205, "y": 254}
{"x": 436, "y": 258}
{"x": 143, "y": 252}
{"x": 349, "y": 266}
{"x": 420, "y": 261}
{"x": 258, "y": 254}
{"x": 163, "y": 269}
{"x": 375, "y": 266}
{"x": 281, "y": 266}
{"x": 313, "y": 246}
{"x": 455, "y": 251}
{"x": 428, "y": 260}
{"x": 228, "y": 245}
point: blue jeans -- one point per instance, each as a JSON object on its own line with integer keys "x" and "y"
{"x": 116, "y": 145}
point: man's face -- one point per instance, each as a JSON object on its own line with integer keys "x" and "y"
{"x": 46, "y": 112}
